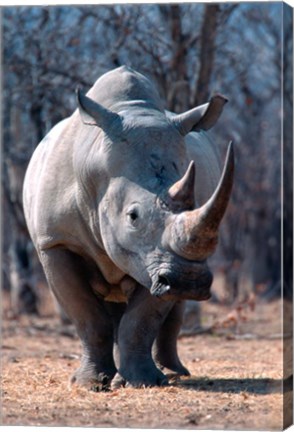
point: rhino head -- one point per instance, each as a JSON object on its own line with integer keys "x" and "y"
{"x": 147, "y": 218}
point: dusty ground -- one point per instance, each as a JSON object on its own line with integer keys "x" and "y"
{"x": 235, "y": 383}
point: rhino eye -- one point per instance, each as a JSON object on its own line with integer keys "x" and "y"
{"x": 133, "y": 216}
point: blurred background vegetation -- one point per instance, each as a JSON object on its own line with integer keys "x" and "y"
{"x": 190, "y": 51}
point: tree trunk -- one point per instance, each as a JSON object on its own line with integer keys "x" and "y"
{"x": 207, "y": 50}
{"x": 178, "y": 91}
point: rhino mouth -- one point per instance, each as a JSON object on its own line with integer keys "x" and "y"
{"x": 170, "y": 286}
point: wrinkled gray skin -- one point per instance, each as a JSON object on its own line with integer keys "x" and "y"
{"x": 104, "y": 210}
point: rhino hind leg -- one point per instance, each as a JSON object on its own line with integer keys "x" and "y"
{"x": 66, "y": 276}
{"x": 138, "y": 328}
{"x": 116, "y": 311}
{"x": 165, "y": 346}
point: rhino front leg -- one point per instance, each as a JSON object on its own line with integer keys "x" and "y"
{"x": 67, "y": 277}
{"x": 165, "y": 346}
{"x": 138, "y": 329}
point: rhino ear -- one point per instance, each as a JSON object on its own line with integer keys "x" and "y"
{"x": 202, "y": 117}
{"x": 93, "y": 113}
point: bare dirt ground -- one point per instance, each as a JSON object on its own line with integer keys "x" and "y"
{"x": 235, "y": 383}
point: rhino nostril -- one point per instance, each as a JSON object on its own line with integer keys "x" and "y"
{"x": 160, "y": 286}
{"x": 163, "y": 280}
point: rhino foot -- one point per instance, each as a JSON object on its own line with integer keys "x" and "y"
{"x": 88, "y": 377}
{"x": 138, "y": 377}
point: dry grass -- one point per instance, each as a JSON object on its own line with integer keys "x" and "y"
{"x": 235, "y": 382}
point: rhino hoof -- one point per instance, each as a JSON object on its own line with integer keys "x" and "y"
{"x": 96, "y": 383}
{"x": 159, "y": 382}
{"x": 117, "y": 382}
{"x": 154, "y": 378}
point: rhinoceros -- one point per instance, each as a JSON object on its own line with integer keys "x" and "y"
{"x": 123, "y": 223}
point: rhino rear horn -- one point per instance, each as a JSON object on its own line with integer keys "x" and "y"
{"x": 94, "y": 114}
{"x": 203, "y": 117}
{"x": 182, "y": 191}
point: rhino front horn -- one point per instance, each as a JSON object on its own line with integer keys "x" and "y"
{"x": 193, "y": 234}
